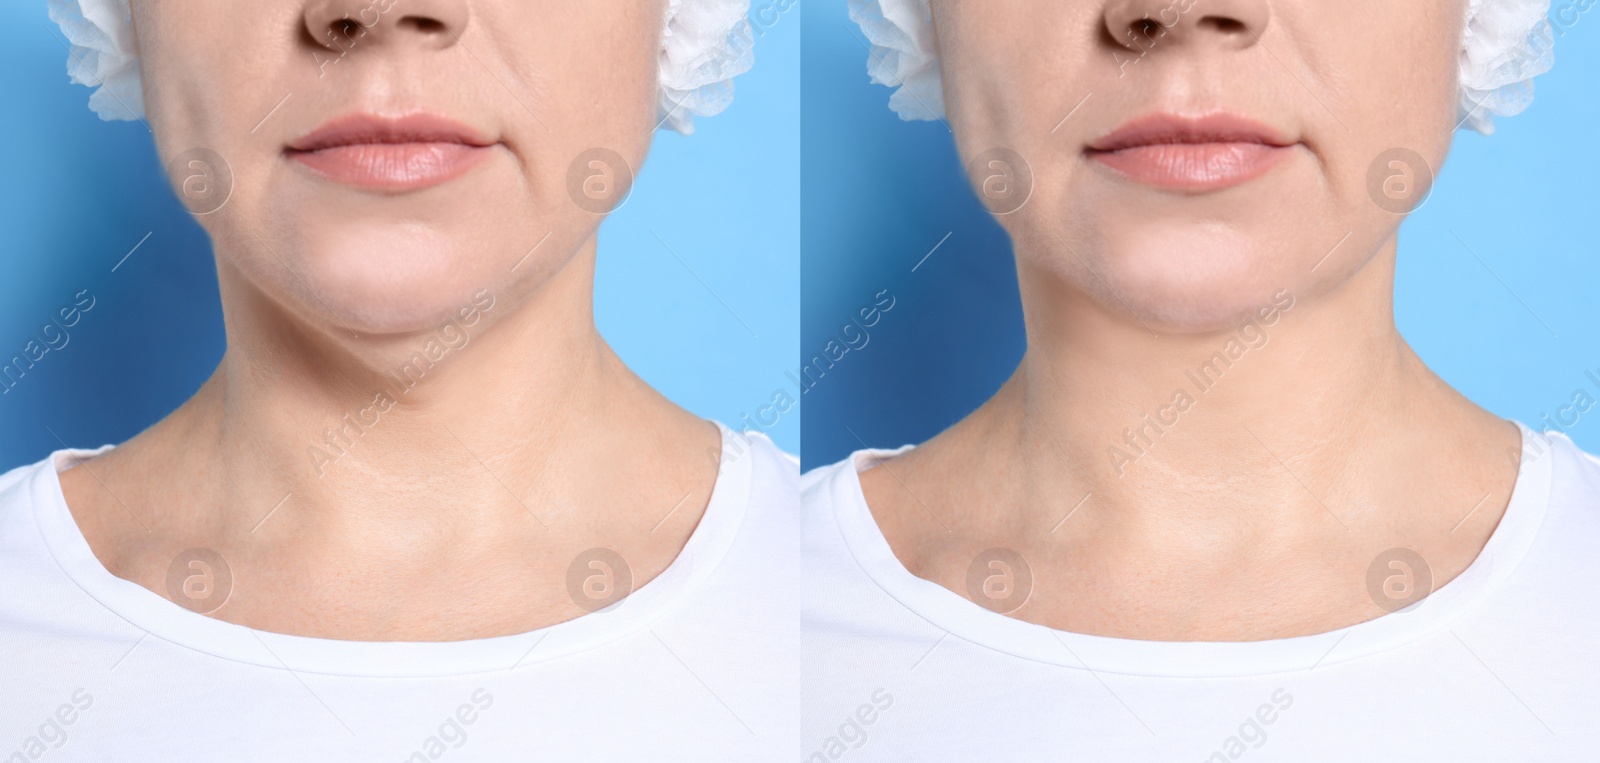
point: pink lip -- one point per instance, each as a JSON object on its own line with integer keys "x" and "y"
{"x": 406, "y": 153}
{"x": 1191, "y": 153}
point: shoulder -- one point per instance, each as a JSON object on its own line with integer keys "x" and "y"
{"x": 825, "y": 488}
{"x": 15, "y": 489}
{"x": 31, "y": 495}
{"x": 814, "y": 485}
{"x": 768, "y": 477}
{"x": 1574, "y": 472}
{"x": 772, "y": 469}
{"x": 833, "y": 510}
{"x": 1559, "y": 484}
{"x": 24, "y": 558}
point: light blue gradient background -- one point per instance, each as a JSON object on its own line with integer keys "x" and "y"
{"x": 879, "y": 194}
{"x": 714, "y": 332}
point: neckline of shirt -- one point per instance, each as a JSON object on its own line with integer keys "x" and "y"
{"x": 156, "y": 616}
{"x": 963, "y": 619}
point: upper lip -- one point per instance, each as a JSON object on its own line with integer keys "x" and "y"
{"x": 1164, "y": 129}
{"x": 365, "y": 129}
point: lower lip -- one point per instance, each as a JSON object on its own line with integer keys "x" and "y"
{"x": 393, "y": 166}
{"x": 1193, "y": 166}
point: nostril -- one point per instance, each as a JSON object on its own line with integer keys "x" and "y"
{"x": 1145, "y": 29}
{"x": 339, "y": 24}
{"x": 424, "y": 24}
{"x": 1141, "y": 24}
{"x": 344, "y": 30}
{"x": 1224, "y": 24}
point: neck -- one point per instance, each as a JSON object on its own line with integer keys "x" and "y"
{"x": 364, "y": 474}
{"x": 469, "y": 421}
{"x": 1296, "y": 423}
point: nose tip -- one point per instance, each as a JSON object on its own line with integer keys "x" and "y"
{"x": 337, "y": 24}
{"x": 1136, "y": 24}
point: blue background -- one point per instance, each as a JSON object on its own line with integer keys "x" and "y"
{"x": 879, "y": 194}
{"x": 79, "y": 193}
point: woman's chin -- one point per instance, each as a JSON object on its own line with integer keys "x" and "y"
{"x": 1206, "y": 303}
{"x": 377, "y": 290}
{"x": 1184, "y": 284}
{"x": 382, "y": 318}
{"x": 1210, "y": 314}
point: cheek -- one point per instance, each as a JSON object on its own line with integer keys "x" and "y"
{"x": 1392, "y": 102}
{"x": 599, "y": 73}
{"x": 1011, "y": 70}
{"x": 1390, "y": 93}
{"x": 585, "y": 145}
{"x": 194, "y": 59}
{"x": 595, "y": 89}
{"x": 610, "y": 104}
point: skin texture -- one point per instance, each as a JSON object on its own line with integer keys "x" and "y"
{"x": 456, "y": 510}
{"x": 1259, "y": 512}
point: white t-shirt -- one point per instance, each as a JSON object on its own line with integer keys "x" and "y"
{"x": 700, "y": 663}
{"x": 1501, "y": 663}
